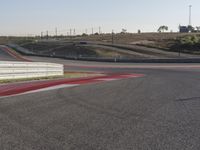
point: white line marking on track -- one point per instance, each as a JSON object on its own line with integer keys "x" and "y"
{"x": 52, "y": 88}
{"x": 120, "y": 77}
{"x": 129, "y": 76}
{"x": 108, "y": 79}
{"x": 42, "y": 90}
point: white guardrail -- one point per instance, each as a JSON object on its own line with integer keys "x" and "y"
{"x": 18, "y": 70}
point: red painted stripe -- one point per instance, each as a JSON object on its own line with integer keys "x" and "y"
{"x": 35, "y": 86}
{"x": 132, "y": 66}
{"x": 14, "y": 89}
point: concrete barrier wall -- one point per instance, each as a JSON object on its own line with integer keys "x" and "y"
{"x": 18, "y": 70}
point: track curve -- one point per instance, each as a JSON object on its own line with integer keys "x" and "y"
{"x": 7, "y": 54}
{"x": 157, "y": 111}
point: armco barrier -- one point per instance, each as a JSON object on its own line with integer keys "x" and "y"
{"x": 17, "y": 70}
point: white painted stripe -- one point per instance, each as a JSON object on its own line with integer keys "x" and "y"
{"x": 107, "y": 79}
{"x": 42, "y": 90}
{"x": 118, "y": 78}
{"x": 129, "y": 76}
{"x": 52, "y": 88}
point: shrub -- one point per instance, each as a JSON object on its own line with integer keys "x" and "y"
{"x": 190, "y": 40}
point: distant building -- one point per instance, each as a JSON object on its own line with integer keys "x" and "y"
{"x": 183, "y": 29}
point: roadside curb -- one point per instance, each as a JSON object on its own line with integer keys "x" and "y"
{"x": 14, "y": 54}
{"x": 15, "y": 89}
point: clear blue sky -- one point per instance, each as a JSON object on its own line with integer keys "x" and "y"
{"x": 20, "y": 17}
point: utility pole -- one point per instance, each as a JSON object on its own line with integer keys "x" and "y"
{"x": 47, "y": 34}
{"x": 41, "y": 35}
{"x": 56, "y": 33}
{"x": 190, "y": 15}
{"x": 99, "y": 30}
{"x": 92, "y": 31}
{"x": 112, "y": 36}
{"x": 71, "y": 34}
{"x": 74, "y": 32}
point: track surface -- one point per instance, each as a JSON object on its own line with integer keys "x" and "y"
{"x": 158, "y": 111}
{"x": 7, "y": 54}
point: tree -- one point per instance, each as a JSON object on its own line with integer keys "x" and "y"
{"x": 84, "y": 34}
{"x": 124, "y": 31}
{"x": 198, "y": 29}
{"x": 191, "y": 28}
{"x": 163, "y": 28}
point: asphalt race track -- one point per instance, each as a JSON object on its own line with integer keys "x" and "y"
{"x": 159, "y": 111}
{"x": 5, "y": 56}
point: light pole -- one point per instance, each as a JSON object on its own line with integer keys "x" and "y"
{"x": 190, "y": 15}
{"x": 41, "y": 35}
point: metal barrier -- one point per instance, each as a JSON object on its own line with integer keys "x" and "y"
{"x": 18, "y": 70}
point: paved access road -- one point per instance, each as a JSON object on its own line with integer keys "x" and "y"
{"x": 159, "y": 111}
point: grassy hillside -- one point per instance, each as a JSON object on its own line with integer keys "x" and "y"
{"x": 164, "y": 41}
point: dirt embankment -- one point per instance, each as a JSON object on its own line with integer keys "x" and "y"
{"x": 144, "y": 45}
{"x": 162, "y": 41}
{"x": 129, "y": 38}
{"x": 75, "y": 50}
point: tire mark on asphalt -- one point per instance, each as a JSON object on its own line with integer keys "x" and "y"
{"x": 188, "y": 99}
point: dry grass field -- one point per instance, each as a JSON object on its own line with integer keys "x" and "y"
{"x": 162, "y": 41}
